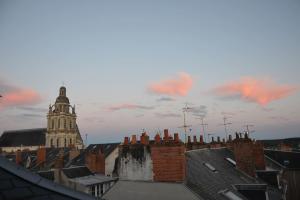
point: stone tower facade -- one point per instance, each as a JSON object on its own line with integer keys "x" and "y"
{"x": 62, "y": 129}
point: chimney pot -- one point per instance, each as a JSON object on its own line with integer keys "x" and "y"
{"x": 212, "y": 139}
{"x": 218, "y": 138}
{"x": 126, "y": 141}
{"x": 201, "y": 139}
{"x": 230, "y": 138}
{"x": 133, "y": 139}
{"x": 166, "y": 134}
{"x": 157, "y": 138}
{"x": 189, "y": 139}
{"x": 195, "y": 139}
{"x": 176, "y": 137}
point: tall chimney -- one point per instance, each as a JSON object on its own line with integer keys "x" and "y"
{"x": 41, "y": 155}
{"x": 18, "y": 157}
{"x": 133, "y": 139}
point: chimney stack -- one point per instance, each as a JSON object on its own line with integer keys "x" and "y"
{"x": 195, "y": 139}
{"x": 259, "y": 157}
{"x": 176, "y": 137}
{"x": 126, "y": 141}
{"x": 18, "y": 157}
{"x": 41, "y": 155}
{"x": 133, "y": 139}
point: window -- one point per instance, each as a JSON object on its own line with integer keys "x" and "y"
{"x": 58, "y": 123}
{"x": 65, "y": 123}
{"x": 65, "y": 142}
{"x": 70, "y": 140}
{"x": 70, "y": 124}
{"x": 210, "y": 167}
{"x": 57, "y": 142}
{"x": 52, "y": 123}
{"x": 51, "y": 142}
{"x": 232, "y": 162}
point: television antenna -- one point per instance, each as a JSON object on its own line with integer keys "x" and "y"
{"x": 225, "y": 124}
{"x": 248, "y": 129}
{"x": 185, "y": 126}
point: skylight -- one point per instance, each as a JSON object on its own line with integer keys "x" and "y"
{"x": 231, "y": 161}
{"x": 210, "y": 167}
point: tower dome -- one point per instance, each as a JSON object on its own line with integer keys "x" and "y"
{"x": 62, "y": 98}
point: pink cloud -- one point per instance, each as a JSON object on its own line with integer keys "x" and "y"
{"x": 261, "y": 91}
{"x": 14, "y": 96}
{"x": 178, "y": 86}
{"x": 129, "y": 107}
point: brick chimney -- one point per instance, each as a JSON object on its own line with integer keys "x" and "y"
{"x": 157, "y": 139}
{"x": 249, "y": 154}
{"x": 259, "y": 157}
{"x": 18, "y": 157}
{"x": 201, "y": 139}
{"x": 126, "y": 141}
{"x": 59, "y": 162}
{"x": 195, "y": 139}
{"x": 41, "y": 155}
{"x": 176, "y": 137}
{"x": 95, "y": 161}
{"x": 73, "y": 153}
{"x": 133, "y": 139}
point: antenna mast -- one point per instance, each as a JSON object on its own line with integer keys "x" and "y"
{"x": 185, "y": 126}
{"x": 248, "y": 129}
{"x": 225, "y": 123}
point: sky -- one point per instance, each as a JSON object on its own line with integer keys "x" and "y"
{"x": 130, "y": 66}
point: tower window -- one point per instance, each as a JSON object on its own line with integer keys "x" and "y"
{"x": 58, "y": 123}
{"x": 70, "y": 124}
{"x": 70, "y": 140}
{"x": 65, "y": 123}
{"x": 51, "y": 142}
{"x": 65, "y": 142}
{"x": 57, "y": 142}
{"x": 52, "y": 123}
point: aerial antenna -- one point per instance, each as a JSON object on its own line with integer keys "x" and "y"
{"x": 185, "y": 126}
{"x": 225, "y": 124}
{"x": 203, "y": 127}
{"x": 248, "y": 129}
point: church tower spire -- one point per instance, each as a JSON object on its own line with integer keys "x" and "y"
{"x": 62, "y": 129}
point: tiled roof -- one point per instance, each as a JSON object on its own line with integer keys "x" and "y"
{"x": 106, "y": 148}
{"x": 210, "y": 183}
{"x": 75, "y": 172}
{"x": 286, "y": 159}
{"x": 24, "y": 137}
{"x": 17, "y": 183}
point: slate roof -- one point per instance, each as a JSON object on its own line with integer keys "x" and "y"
{"x": 93, "y": 179}
{"x": 209, "y": 183}
{"x": 106, "y": 148}
{"x": 129, "y": 190}
{"x": 76, "y": 172}
{"x": 24, "y": 137}
{"x": 286, "y": 159}
{"x": 17, "y": 183}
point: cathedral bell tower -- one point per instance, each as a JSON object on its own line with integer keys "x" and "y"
{"x": 62, "y": 129}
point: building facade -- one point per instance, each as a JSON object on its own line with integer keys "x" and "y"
{"x": 62, "y": 129}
